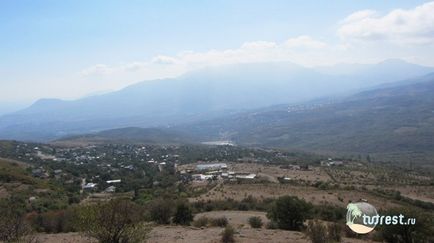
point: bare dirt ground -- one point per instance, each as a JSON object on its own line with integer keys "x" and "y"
{"x": 310, "y": 194}
{"x": 180, "y": 234}
{"x": 64, "y": 238}
{"x": 189, "y": 234}
{"x": 192, "y": 235}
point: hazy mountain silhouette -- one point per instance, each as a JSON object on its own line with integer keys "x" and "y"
{"x": 199, "y": 95}
{"x": 396, "y": 120}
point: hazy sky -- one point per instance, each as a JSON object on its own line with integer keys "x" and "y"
{"x": 67, "y": 49}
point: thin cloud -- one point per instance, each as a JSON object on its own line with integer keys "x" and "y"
{"x": 254, "y": 51}
{"x": 413, "y": 26}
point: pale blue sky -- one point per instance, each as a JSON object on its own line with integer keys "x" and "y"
{"x": 66, "y": 49}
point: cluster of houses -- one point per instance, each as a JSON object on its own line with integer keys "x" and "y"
{"x": 110, "y": 189}
{"x": 332, "y": 162}
{"x": 40, "y": 173}
{"x": 216, "y": 171}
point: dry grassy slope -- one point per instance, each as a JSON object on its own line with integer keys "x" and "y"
{"x": 14, "y": 178}
{"x": 14, "y": 171}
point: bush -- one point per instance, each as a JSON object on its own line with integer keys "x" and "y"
{"x": 316, "y": 232}
{"x": 248, "y": 203}
{"x": 160, "y": 211}
{"x": 319, "y": 232}
{"x": 54, "y": 221}
{"x": 112, "y": 222}
{"x": 13, "y": 226}
{"x": 183, "y": 214}
{"x": 289, "y": 212}
{"x": 201, "y": 222}
{"x": 228, "y": 234}
{"x": 329, "y": 213}
{"x": 219, "y": 222}
{"x": 255, "y": 222}
{"x": 334, "y": 232}
{"x": 271, "y": 225}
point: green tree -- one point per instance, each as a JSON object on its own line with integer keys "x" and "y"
{"x": 289, "y": 212}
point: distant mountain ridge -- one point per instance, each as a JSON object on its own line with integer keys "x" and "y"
{"x": 392, "y": 121}
{"x": 205, "y": 94}
{"x": 129, "y": 135}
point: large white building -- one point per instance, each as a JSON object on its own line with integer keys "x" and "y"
{"x": 216, "y": 166}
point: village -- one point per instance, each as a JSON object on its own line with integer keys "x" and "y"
{"x": 111, "y": 168}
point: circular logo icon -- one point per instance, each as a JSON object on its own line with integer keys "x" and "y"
{"x": 361, "y": 217}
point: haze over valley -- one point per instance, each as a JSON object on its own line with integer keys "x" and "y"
{"x": 217, "y": 121}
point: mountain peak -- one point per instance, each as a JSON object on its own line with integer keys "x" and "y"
{"x": 395, "y": 61}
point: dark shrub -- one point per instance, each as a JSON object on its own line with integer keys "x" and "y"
{"x": 160, "y": 211}
{"x": 201, "y": 222}
{"x": 219, "y": 222}
{"x": 255, "y": 222}
{"x": 329, "y": 213}
{"x": 183, "y": 214}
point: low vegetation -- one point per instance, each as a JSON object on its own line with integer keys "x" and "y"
{"x": 255, "y": 222}
{"x": 321, "y": 232}
{"x": 160, "y": 211}
{"x": 13, "y": 225}
{"x": 183, "y": 214}
{"x": 112, "y": 222}
{"x": 228, "y": 234}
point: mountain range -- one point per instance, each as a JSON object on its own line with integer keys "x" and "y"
{"x": 202, "y": 95}
{"x": 397, "y": 121}
{"x": 388, "y": 123}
